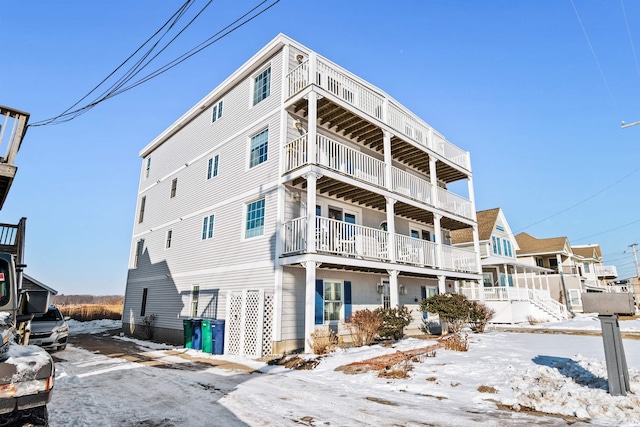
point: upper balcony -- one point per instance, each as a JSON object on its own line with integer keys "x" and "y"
{"x": 334, "y": 156}
{"x": 607, "y": 271}
{"x": 360, "y": 95}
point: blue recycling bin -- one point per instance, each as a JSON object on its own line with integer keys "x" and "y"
{"x": 196, "y": 338}
{"x": 217, "y": 336}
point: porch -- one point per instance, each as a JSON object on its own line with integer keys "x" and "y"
{"x": 342, "y": 239}
{"x": 337, "y": 157}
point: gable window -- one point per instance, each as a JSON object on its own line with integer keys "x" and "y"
{"x": 167, "y": 243}
{"x": 195, "y": 295}
{"x": 143, "y": 306}
{"x": 217, "y": 112}
{"x": 143, "y": 202}
{"x": 507, "y": 247}
{"x": 212, "y": 168}
{"x": 207, "y": 227}
{"x": 262, "y": 86}
{"x": 259, "y": 148}
{"x": 254, "y": 225}
{"x": 174, "y": 187}
{"x": 147, "y": 168}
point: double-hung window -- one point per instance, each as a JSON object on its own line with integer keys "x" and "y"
{"x": 136, "y": 256}
{"x": 167, "y": 244}
{"x": 262, "y": 86}
{"x": 587, "y": 267}
{"x": 212, "y": 167}
{"x": 259, "y": 148}
{"x": 174, "y": 187}
{"x": 254, "y": 225}
{"x": 195, "y": 295}
{"x": 207, "y": 227}
{"x": 143, "y": 202}
{"x": 217, "y": 112}
{"x": 147, "y": 168}
{"x": 332, "y": 300}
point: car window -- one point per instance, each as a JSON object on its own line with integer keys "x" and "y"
{"x": 49, "y": 316}
{"x": 5, "y": 291}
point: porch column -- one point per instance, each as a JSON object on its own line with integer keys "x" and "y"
{"x": 312, "y": 131}
{"x": 438, "y": 233}
{"x": 309, "y": 304}
{"x": 506, "y": 282}
{"x": 476, "y": 247}
{"x": 311, "y": 177}
{"x": 391, "y": 229}
{"x": 432, "y": 175}
{"x": 442, "y": 286}
{"x": 515, "y": 278}
{"x": 386, "y": 138}
{"x": 394, "y": 293}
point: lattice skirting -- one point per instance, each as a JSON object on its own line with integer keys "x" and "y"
{"x": 249, "y": 323}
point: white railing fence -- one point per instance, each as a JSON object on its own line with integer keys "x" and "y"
{"x": 411, "y": 186}
{"x": 416, "y": 251}
{"x": 454, "y": 203}
{"x": 341, "y": 158}
{"x": 296, "y": 153}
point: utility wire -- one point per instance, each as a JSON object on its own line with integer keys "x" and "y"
{"x": 119, "y": 87}
{"x": 633, "y": 49}
{"x": 580, "y": 202}
{"x": 607, "y": 231}
{"x": 595, "y": 57}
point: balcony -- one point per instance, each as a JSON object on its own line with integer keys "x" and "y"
{"x": 343, "y": 239}
{"x": 339, "y": 158}
{"x": 607, "y": 271}
{"x": 363, "y": 97}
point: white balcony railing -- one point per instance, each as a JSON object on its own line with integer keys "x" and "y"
{"x": 357, "y": 93}
{"x": 539, "y": 298}
{"x": 351, "y": 240}
{"x": 607, "y": 271}
{"x": 340, "y": 158}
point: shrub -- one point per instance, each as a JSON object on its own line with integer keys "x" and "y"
{"x": 453, "y": 309}
{"x": 532, "y": 320}
{"x": 323, "y": 341}
{"x": 147, "y": 326}
{"x": 364, "y": 326}
{"x": 479, "y": 316}
{"x": 394, "y": 320}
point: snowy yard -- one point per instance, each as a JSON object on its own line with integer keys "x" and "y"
{"x": 549, "y": 373}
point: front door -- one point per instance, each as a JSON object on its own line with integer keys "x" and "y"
{"x": 386, "y": 294}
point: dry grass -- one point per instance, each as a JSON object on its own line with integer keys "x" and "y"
{"x": 487, "y": 389}
{"x": 324, "y": 341}
{"x": 397, "y": 371}
{"x": 456, "y": 342}
{"x": 86, "y": 312}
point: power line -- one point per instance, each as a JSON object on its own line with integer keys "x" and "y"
{"x": 119, "y": 87}
{"x": 607, "y": 231}
{"x": 595, "y": 57}
{"x": 580, "y": 202}
{"x": 633, "y": 49}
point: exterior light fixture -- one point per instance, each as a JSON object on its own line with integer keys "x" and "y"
{"x": 298, "y": 125}
{"x": 299, "y": 58}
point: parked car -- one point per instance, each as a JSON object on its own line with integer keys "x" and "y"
{"x": 49, "y": 330}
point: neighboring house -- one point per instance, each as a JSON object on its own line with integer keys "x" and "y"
{"x": 597, "y": 277}
{"x": 29, "y": 283}
{"x": 517, "y": 291}
{"x": 291, "y": 196}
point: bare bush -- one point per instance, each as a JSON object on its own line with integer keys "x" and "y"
{"x": 323, "y": 341}
{"x": 398, "y": 371}
{"x": 456, "y": 342}
{"x": 479, "y": 316}
{"x": 364, "y": 326}
{"x": 532, "y": 320}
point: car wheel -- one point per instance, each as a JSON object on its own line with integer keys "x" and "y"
{"x": 61, "y": 347}
{"x": 34, "y": 417}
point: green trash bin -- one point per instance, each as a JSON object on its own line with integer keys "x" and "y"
{"x": 188, "y": 333}
{"x": 207, "y": 344}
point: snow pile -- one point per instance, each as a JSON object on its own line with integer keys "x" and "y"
{"x": 92, "y": 327}
{"x": 576, "y": 388}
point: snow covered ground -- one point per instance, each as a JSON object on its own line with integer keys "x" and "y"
{"x": 551, "y": 373}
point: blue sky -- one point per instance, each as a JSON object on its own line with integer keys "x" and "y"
{"x": 513, "y": 82}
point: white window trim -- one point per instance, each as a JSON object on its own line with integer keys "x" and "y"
{"x": 248, "y": 156}
{"x": 252, "y": 87}
{"x": 421, "y": 228}
{"x": 245, "y": 210}
{"x": 216, "y": 108}
{"x": 341, "y": 314}
{"x": 210, "y": 229}
{"x": 168, "y": 240}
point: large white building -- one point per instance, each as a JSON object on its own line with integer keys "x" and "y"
{"x": 291, "y": 196}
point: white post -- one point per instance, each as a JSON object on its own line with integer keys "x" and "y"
{"x": 391, "y": 229}
{"x": 438, "y": 242}
{"x": 433, "y": 177}
{"x": 387, "y": 160}
{"x": 309, "y": 304}
{"x": 442, "y": 286}
{"x": 311, "y": 212}
{"x": 394, "y": 293}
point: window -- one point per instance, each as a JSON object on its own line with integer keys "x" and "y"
{"x": 167, "y": 243}
{"x": 587, "y": 267}
{"x": 487, "y": 279}
{"x": 143, "y": 307}
{"x": 212, "y": 168}
{"x": 255, "y": 219}
{"x": 148, "y": 167}
{"x": 332, "y": 300}
{"x": 259, "y": 148}
{"x": 499, "y": 227}
{"x": 207, "y": 227}
{"x": 136, "y": 256}
{"x": 262, "y": 86}
{"x": 217, "y": 112}
{"x": 195, "y": 294}
{"x": 494, "y": 244}
{"x": 574, "y": 297}
{"x": 539, "y": 262}
{"x": 174, "y": 187}
{"x": 143, "y": 201}
{"x": 507, "y": 247}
